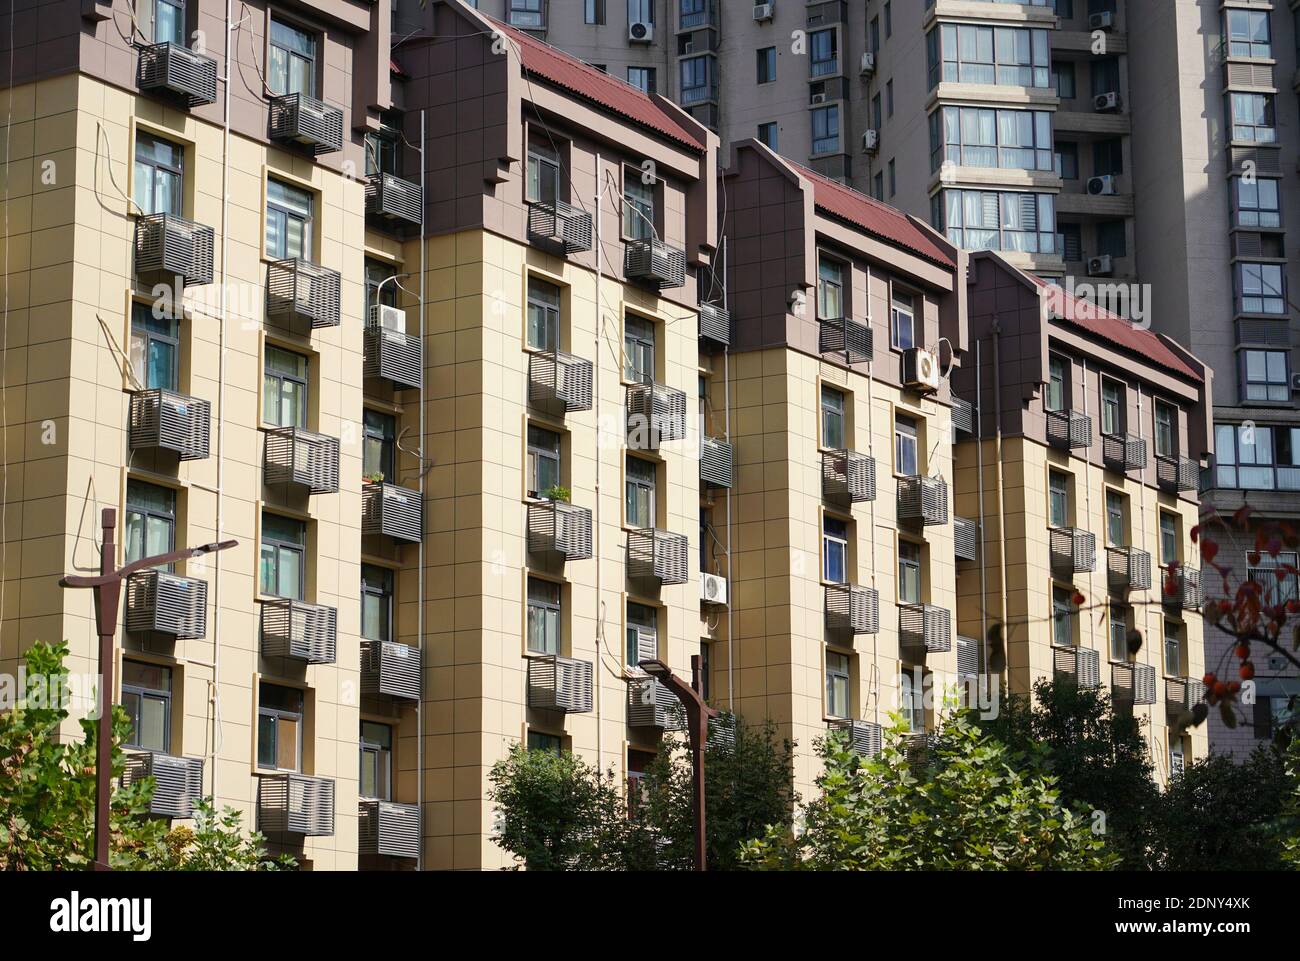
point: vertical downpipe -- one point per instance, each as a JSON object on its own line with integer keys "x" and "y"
{"x": 419, "y": 590}
{"x": 1087, "y": 495}
{"x": 979, "y": 486}
{"x": 1002, "y": 512}
{"x": 731, "y": 574}
{"x": 597, "y": 673}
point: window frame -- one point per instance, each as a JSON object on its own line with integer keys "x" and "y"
{"x": 1269, "y": 386}
{"x": 383, "y": 755}
{"x": 640, "y": 349}
{"x": 911, "y": 560}
{"x": 765, "y": 65}
{"x": 1113, "y": 409}
{"x": 834, "y": 421}
{"x": 1168, "y": 540}
{"x": 1268, "y": 291}
{"x": 839, "y": 684}
{"x": 638, "y": 627}
{"x": 544, "y": 611}
{"x": 836, "y": 535}
{"x": 902, "y": 304}
{"x": 379, "y": 432}
{"x": 277, "y": 714}
{"x": 539, "y": 454}
{"x": 164, "y": 178}
{"x": 281, "y": 213}
{"x": 1058, "y": 494}
{"x": 906, "y": 432}
{"x": 825, "y": 127}
{"x": 279, "y": 547}
{"x": 144, "y": 334}
{"x": 142, "y": 693}
{"x": 1064, "y": 613}
{"x": 133, "y": 551}
{"x": 545, "y": 302}
{"x": 381, "y": 589}
{"x": 1165, "y": 435}
{"x": 1261, "y": 214}
{"x": 641, "y": 490}
{"x": 279, "y": 85}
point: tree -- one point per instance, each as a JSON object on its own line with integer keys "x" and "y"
{"x": 215, "y": 842}
{"x": 969, "y": 803}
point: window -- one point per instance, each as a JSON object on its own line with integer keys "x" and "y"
{"x": 550, "y": 743}
{"x": 1257, "y": 458}
{"x": 155, "y": 348}
{"x": 1104, "y": 73}
{"x": 543, "y": 185}
{"x": 833, "y": 431}
{"x": 638, "y": 206}
{"x": 543, "y": 315}
{"x": 889, "y": 20}
{"x": 1067, "y": 160}
{"x": 1265, "y": 375}
{"x": 293, "y": 60}
{"x": 1256, "y": 204}
{"x": 279, "y": 727}
{"x": 893, "y": 178}
{"x": 970, "y": 53}
{"x": 911, "y": 702}
{"x": 283, "y": 563}
{"x": 543, "y": 616}
{"x": 167, "y": 21}
{"x": 376, "y": 778}
{"x": 877, "y": 113}
{"x": 288, "y": 221}
{"x": 698, "y": 79}
{"x": 837, "y": 684}
{"x": 643, "y": 78}
{"x": 526, "y": 14}
{"x": 378, "y": 444}
{"x": 380, "y": 287}
{"x": 1000, "y": 220}
{"x": 1058, "y": 382}
{"x": 987, "y": 137}
{"x": 150, "y": 520}
{"x": 889, "y": 97}
{"x": 147, "y": 700}
{"x": 543, "y": 460}
{"x": 767, "y": 134}
{"x": 1118, "y": 632}
{"x": 906, "y": 461}
{"x": 1111, "y": 238}
{"x": 835, "y": 550}
{"x": 642, "y": 631}
{"x": 1063, "y": 80}
{"x": 593, "y": 12}
{"x": 1248, "y": 34}
{"x": 909, "y": 572}
{"x": 384, "y": 148}
{"x": 284, "y": 388}
{"x": 766, "y": 64}
{"x": 1112, "y": 407}
{"x": 1168, "y": 538}
{"x": 706, "y": 667}
{"x": 159, "y": 175}
{"x": 1062, "y": 617}
{"x": 878, "y": 186}
{"x": 1173, "y": 648}
{"x": 640, "y": 11}
{"x": 1058, "y": 498}
{"x": 1272, "y": 590}
{"x": 1252, "y": 117}
{"x": 638, "y": 350}
{"x": 376, "y": 603}
{"x": 826, "y": 129}
{"x": 902, "y": 321}
{"x": 1261, "y": 289}
{"x": 1107, "y": 157}
{"x": 642, "y": 484}
{"x": 830, "y": 289}
{"x": 1063, "y": 9}
{"x": 1115, "y": 516}
{"x": 873, "y": 35}
{"x": 1069, "y": 241}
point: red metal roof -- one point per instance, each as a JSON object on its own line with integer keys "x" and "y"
{"x": 554, "y": 66}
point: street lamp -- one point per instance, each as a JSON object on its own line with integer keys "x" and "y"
{"x": 108, "y": 591}
{"x": 697, "y": 728}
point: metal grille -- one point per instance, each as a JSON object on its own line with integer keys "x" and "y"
{"x": 852, "y": 609}
{"x": 1267, "y": 333}
{"x": 655, "y": 414}
{"x": 843, "y": 335}
{"x": 387, "y": 829}
{"x": 392, "y": 354}
{"x": 302, "y": 631}
{"x": 297, "y": 456}
{"x": 1079, "y": 664}
{"x": 656, "y": 555}
{"x": 311, "y": 123}
{"x": 924, "y": 627}
{"x": 654, "y": 261}
{"x": 722, "y": 732}
{"x": 1128, "y": 568}
{"x": 1247, "y": 75}
{"x": 1134, "y": 683}
{"x": 295, "y": 804}
{"x": 392, "y": 510}
{"x": 392, "y": 198}
{"x": 1183, "y": 693}
{"x": 715, "y": 462}
{"x": 715, "y": 325}
{"x": 1123, "y": 452}
{"x": 1068, "y": 430}
{"x": 562, "y": 224}
{"x": 559, "y": 684}
{"x": 178, "y": 781}
{"x": 969, "y": 656}
{"x": 923, "y": 499}
{"x": 167, "y": 603}
{"x": 559, "y": 381}
{"x": 848, "y": 477}
{"x": 555, "y": 527}
{"x": 165, "y": 420}
{"x": 963, "y": 417}
{"x": 1264, "y": 160}
{"x": 169, "y": 247}
{"x": 1177, "y": 473}
{"x": 303, "y": 292}
{"x": 1072, "y": 551}
{"x": 177, "y": 70}
{"x": 651, "y": 704}
{"x": 390, "y": 669}
{"x": 1186, "y": 593}
{"x": 865, "y": 737}
{"x": 966, "y": 538}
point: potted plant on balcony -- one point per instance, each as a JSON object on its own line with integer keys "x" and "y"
{"x": 557, "y": 494}
{"x": 373, "y": 477}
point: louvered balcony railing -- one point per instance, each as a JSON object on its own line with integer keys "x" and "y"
{"x": 158, "y": 602}
{"x": 848, "y": 477}
{"x": 561, "y": 684}
{"x": 1071, "y": 551}
{"x": 178, "y": 781}
{"x": 391, "y": 510}
{"x": 924, "y": 628}
{"x": 172, "y": 249}
{"x": 655, "y": 263}
{"x": 304, "y": 121}
{"x": 386, "y": 829}
{"x": 560, "y": 529}
{"x": 295, "y": 804}
{"x": 299, "y": 631}
{"x": 303, "y": 458}
{"x": 183, "y": 75}
{"x": 390, "y": 669}
{"x": 852, "y": 609}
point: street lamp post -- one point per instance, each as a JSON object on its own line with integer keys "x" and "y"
{"x": 108, "y": 592}
{"x": 697, "y": 728}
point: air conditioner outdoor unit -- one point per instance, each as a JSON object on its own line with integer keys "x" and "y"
{"x": 1102, "y": 186}
{"x": 868, "y": 63}
{"x": 920, "y": 369}
{"x": 641, "y": 32}
{"x": 762, "y": 11}
{"x": 1106, "y": 102}
{"x": 817, "y": 98}
{"x": 1101, "y": 266}
{"x": 1101, "y": 21}
{"x": 870, "y": 140}
{"x": 1295, "y": 383}
{"x": 390, "y": 318}
{"x": 713, "y": 588}
{"x": 688, "y": 48}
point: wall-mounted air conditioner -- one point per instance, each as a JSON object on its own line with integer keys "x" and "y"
{"x": 920, "y": 369}
{"x": 640, "y": 32}
{"x": 1102, "y": 186}
{"x": 713, "y": 588}
{"x": 1106, "y": 102}
{"x": 868, "y": 63}
{"x": 870, "y": 140}
{"x": 1102, "y": 266}
{"x": 1105, "y": 20}
{"x": 762, "y": 12}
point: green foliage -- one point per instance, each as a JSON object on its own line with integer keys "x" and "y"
{"x": 1292, "y": 843}
{"x": 971, "y": 803}
{"x": 557, "y": 492}
{"x": 215, "y": 842}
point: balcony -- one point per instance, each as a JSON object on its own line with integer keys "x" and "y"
{"x": 393, "y": 200}
{"x": 393, "y": 511}
{"x": 178, "y": 72}
{"x": 848, "y": 477}
{"x": 865, "y": 738}
{"x": 716, "y": 462}
{"x": 1128, "y": 569}
{"x": 385, "y": 829}
{"x": 166, "y": 420}
{"x": 705, "y": 16}
{"x": 559, "y": 684}
{"x": 1080, "y": 665}
{"x": 1133, "y": 683}
{"x": 390, "y": 669}
{"x": 722, "y": 732}
{"x": 559, "y": 529}
{"x": 924, "y": 628}
{"x": 1177, "y": 474}
{"x": 392, "y": 355}
{"x": 304, "y": 294}
{"x": 852, "y": 609}
{"x": 970, "y": 655}
{"x": 530, "y": 17}
{"x": 1123, "y": 452}
{"x": 650, "y": 704}
{"x": 561, "y": 224}
{"x": 963, "y": 417}
{"x": 1068, "y": 430}
{"x": 966, "y": 538}
{"x": 1072, "y": 551}
{"x": 843, "y": 335}
{"x": 303, "y": 458}
{"x": 304, "y": 121}
{"x": 1183, "y": 694}
{"x": 162, "y": 603}
{"x": 1181, "y": 590}
{"x": 654, "y": 262}
{"x": 715, "y": 326}
{"x": 559, "y": 382}
{"x": 656, "y": 555}
{"x": 178, "y": 781}
{"x": 655, "y": 414}
{"x": 295, "y": 804}
{"x": 299, "y": 631}
{"x": 171, "y": 249}
{"x": 922, "y": 500}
